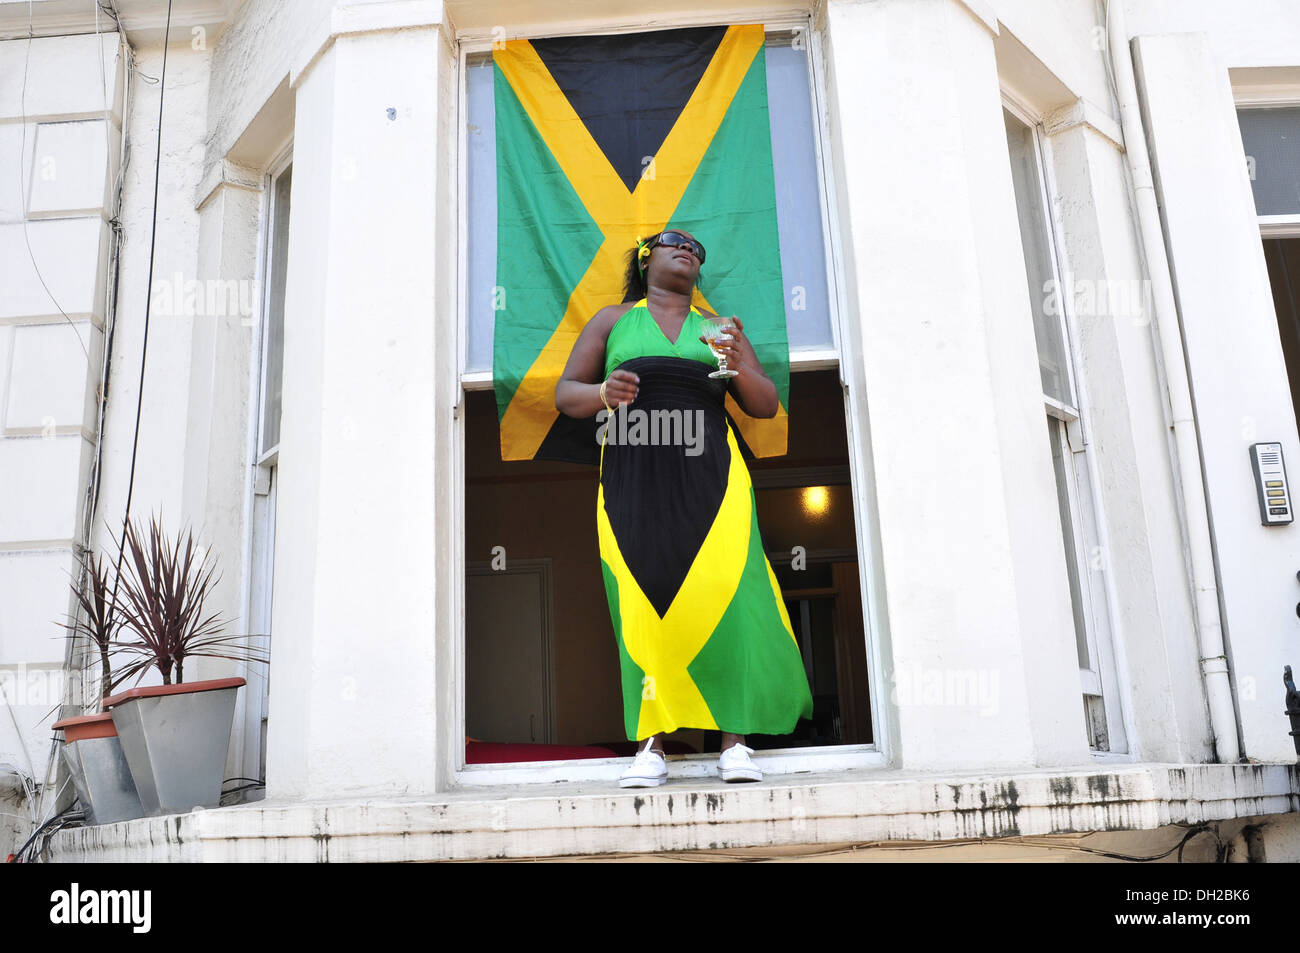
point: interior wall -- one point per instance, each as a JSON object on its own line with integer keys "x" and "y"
{"x": 543, "y": 509}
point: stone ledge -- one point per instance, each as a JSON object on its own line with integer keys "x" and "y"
{"x": 589, "y": 818}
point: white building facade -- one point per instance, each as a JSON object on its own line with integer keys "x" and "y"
{"x": 1066, "y": 638}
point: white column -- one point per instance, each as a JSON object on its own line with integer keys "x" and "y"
{"x": 980, "y": 641}
{"x": 361, "y": 537}
{"x": 1240, "y": 388}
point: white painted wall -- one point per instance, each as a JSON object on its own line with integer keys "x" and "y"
{"x": 1239, "y": 379}
{"x": 60, "y": 141}
{"x": 1244, "y": 33}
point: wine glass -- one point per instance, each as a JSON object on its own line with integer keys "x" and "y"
{"x": 719, "y": 328}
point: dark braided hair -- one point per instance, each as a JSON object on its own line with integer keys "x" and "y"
{"x": 634, "y": 286}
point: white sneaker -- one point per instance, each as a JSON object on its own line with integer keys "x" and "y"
{"x": 648, "y": 770}
{"x": 734, "y": 764}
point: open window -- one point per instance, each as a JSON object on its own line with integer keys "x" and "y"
{"x": 541, "y": 680}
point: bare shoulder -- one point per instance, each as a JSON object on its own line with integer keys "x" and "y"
{"x": 604, "y": 319}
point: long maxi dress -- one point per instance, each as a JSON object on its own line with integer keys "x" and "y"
{"x": 703, "y": 635}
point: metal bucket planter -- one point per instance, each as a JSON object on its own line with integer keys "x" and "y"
{"x": 93, "y": 754}
{"x": 176, "y": 738}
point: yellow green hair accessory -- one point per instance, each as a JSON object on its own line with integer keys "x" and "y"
{"x": 642, "y": 252}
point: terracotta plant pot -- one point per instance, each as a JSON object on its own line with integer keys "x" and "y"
{"x": 175, "y": 739}
{"x": 93, "y": 754}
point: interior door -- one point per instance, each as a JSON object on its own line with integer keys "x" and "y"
{"x": 509, "y": 667}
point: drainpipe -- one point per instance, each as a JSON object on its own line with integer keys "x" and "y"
{"x": 1214, "y": 663}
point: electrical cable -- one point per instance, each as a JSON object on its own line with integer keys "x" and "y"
{"x": 72, "y": 818}
{"x": 253, "y": 780}
{"x": 111, "y": 292}
{"x": 144, "y": 344}
{"x": 73, "y": 661}
{"x": 18, "y": 732}
{"x": 18, "y": 854}
{"x": 110, "y": 309}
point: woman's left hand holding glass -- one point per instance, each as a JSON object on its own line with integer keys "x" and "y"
{"x": 730, "y": 346}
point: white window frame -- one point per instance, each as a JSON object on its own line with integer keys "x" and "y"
{"x": 776, "y": 761}
{"x": 1271, "y": 226}
{"x": 259, "y": 519}
{"x": 1107, "y": 674}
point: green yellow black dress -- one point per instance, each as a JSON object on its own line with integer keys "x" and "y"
{"x": 703, "y": 635}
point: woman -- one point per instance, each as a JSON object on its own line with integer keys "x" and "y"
{"x": 704, "y": 639}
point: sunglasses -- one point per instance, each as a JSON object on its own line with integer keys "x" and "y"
{"x": 678, "y": 240}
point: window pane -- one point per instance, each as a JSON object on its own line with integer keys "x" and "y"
{"x": 1272, "y": 140}
{"x": 273, "y": 356}
{"x": 1034, "y": 237}
{"x": 1055, "y": 436}
{"x": 798, "y": 207}
{"x": 481, "y": 150}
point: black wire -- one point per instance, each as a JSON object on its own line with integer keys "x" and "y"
{"x": 61, "y": 816}
{"x": 40, "y": 852}
{"x": 255, "y": 781}
{"x": 144, "y": 344}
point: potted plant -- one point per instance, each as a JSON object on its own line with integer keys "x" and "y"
{"x": 175, "y": 736}
{"x": 91, "y": 749}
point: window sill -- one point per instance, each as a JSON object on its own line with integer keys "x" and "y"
{"x": 701, "y": 813}
{"x": 776, "y": 763}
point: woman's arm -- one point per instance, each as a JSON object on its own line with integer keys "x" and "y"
{"x": 753, "y": 389}
{"x": 578, "y": 391}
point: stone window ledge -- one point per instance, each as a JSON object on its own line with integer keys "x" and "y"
{"x": 530, "y": 820}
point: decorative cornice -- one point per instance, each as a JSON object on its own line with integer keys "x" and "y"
{"x": 143, "y": 20}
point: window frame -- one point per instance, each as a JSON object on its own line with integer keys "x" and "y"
{"x": 1270, "y": 226}
{"x": 776, "y": 761}
{"x": 1089, "y": 524}
{"x": 250, "y": 748}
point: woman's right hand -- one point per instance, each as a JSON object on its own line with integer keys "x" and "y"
{"x": 621, "y": 388}
{"x": 577, "y": 391}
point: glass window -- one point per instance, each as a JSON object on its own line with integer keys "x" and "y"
{"x": 1271, "y": 136}
{"x": 265, "y": 481}
{"x": 273, "y": 342}
{"x": 1039, "y": 269}
{"x": 1076, "y": 505}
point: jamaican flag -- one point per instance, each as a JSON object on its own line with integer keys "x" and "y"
{"x": 601, "y": 140}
